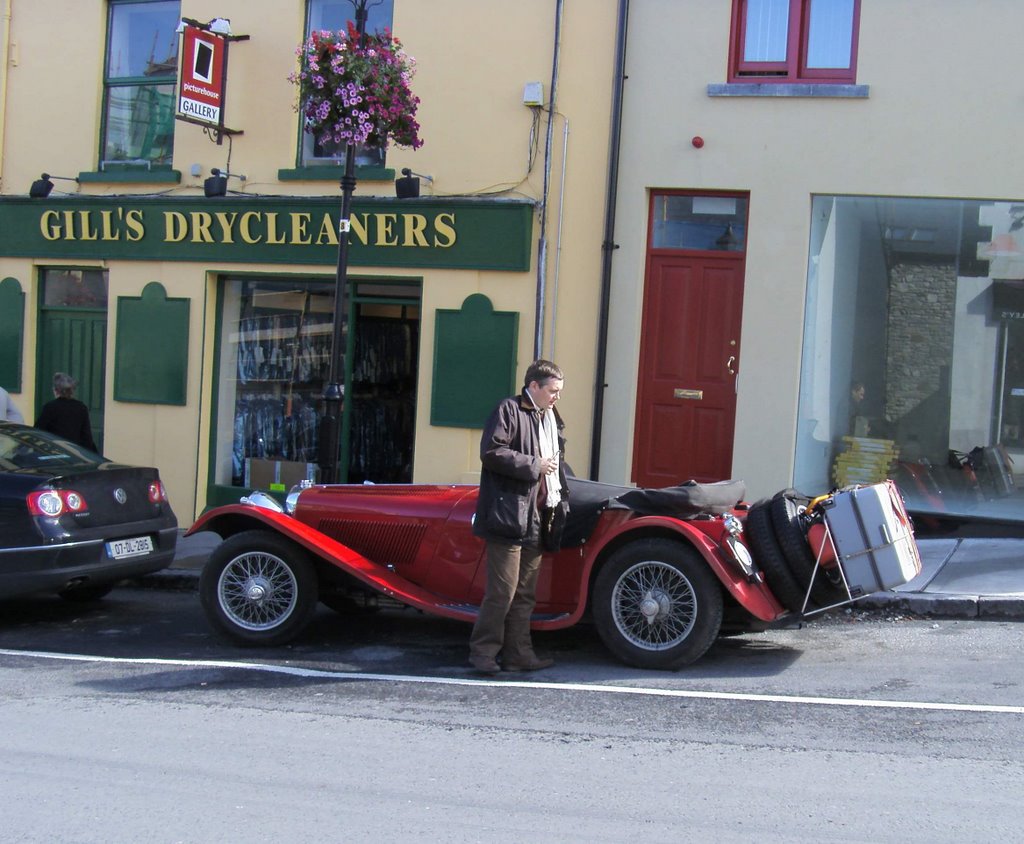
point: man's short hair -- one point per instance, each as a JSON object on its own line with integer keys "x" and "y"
{"x": 542, "y": 371}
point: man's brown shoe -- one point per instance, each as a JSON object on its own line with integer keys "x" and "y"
{"x": 484, "y": 664}
{"x": 535, "y": 664}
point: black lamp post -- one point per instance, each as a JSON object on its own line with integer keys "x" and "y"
{"x": 334, "y": 392}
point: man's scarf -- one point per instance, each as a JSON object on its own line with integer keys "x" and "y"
{"x": 549, "y": 448}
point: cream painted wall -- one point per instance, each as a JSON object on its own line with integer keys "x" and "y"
{"x": 155, "y": 434}
{"x": 44, "y": 126}
{"x": 937, "y": 122}
{"x": 473, "y": 59}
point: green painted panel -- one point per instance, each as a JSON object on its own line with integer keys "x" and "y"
{"x": 125, "y": 176}
{"x": 474, "y": 362}
{"x": 151, "y": 358}
{"x": 12, "y": 333}
{"x": 331, "y": 174}
{"x": 456, "y": 233}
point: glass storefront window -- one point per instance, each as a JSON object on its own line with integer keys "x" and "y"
{"x": 913, "y": 363}
{"x": 274, "y": 361}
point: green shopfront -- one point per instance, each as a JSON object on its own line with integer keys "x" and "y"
{"x": 218, "y": 314}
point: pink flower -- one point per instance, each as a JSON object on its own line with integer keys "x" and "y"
{"x": 354, "y": 92}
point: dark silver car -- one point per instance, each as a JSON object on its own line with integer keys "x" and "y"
{"x": 74, "y": 523}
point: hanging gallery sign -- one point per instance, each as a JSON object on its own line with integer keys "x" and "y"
{"x": 460, "y": 234}
{"x": 201, "y": 84}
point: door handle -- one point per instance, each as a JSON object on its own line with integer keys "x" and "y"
{"x": 729, "y": 363}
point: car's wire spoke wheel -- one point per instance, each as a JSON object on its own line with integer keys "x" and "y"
{"x": 654, "y": 605}
{"x": 657, "y": 604}
{"x": 257, "y": 591}
{"x": 259, "y": 588}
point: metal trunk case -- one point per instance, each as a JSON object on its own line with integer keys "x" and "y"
{"x": 873, "y": 538}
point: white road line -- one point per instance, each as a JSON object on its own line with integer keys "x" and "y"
{"x": 294, "y": 671}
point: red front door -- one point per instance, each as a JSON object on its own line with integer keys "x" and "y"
{"x": 689, "y": 360}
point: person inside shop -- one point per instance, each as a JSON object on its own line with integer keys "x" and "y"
{"x": 66, "y": 416}
{"x": 8, "y": 410}
{"x": 858, "y": 420}
{"x": 523, "y": 502}
{"x": 861, "y": 424}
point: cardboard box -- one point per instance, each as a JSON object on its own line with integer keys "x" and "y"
{"x": 277, "y": 475}
{"x": 871, "y": 532}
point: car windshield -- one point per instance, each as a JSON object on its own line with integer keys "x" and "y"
{"x": 27, "y": 448}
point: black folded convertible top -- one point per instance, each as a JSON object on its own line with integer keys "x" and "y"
{"x": 684, "y": 501}
{"x": 588, "y": 499}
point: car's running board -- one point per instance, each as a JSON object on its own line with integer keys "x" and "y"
{"x": 473, "y": 609}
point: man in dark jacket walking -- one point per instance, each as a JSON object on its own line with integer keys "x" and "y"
{"x": 522, "y": 505}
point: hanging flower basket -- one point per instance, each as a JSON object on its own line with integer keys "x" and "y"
{"x": 353, "y": 92}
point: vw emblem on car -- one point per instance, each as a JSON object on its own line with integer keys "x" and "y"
{"x": 120, "y": 496}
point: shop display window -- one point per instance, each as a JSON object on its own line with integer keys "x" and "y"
{"x": 274, "y": 362}
{"x": 913, "y": 363}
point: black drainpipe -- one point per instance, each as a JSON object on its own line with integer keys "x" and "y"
{"x": 608, "y": 244}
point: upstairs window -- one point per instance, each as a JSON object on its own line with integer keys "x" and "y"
{"x": 794, "y": 41}
{"x": 138, "y": 84}
{"x": 334, "y": 15}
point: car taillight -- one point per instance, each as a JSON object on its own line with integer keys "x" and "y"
{"x": 55, "y": 502}
{"x": 157, "y": 493}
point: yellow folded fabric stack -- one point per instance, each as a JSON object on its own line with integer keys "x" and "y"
{"x": 865, "y": 461}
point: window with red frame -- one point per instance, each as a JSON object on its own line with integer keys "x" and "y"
{"x": 794, "y": 41}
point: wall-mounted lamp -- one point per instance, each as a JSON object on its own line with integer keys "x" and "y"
{"x": 42, "y": 186}
{"x": 408, "y": 187}
{"x": 221, "y": 26}
{"x": 217, "y": 184}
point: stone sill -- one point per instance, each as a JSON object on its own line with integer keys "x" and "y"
{"x": 787, "y": 89}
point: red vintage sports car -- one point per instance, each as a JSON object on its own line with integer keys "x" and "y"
{"x": 662, "y": 571}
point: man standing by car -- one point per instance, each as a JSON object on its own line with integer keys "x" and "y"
{"x": 520, "y": 513}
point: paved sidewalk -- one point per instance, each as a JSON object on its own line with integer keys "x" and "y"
{"x": 960, "y": 578}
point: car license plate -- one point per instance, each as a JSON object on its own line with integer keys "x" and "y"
{"x": 134, "y": 547}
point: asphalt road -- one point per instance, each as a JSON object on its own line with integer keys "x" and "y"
{"x": 129, "y": 721}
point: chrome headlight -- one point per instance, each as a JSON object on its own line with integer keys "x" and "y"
{"x": 291, "y": 501}
{"x": 261, "y": 499}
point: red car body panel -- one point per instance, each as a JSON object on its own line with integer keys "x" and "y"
{"x": 414, "y": 543}
{"x": 377, "y": 577}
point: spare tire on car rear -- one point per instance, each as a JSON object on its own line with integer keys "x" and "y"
{"x": 771, "y": 560}
{"x": 787, "y": 508}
